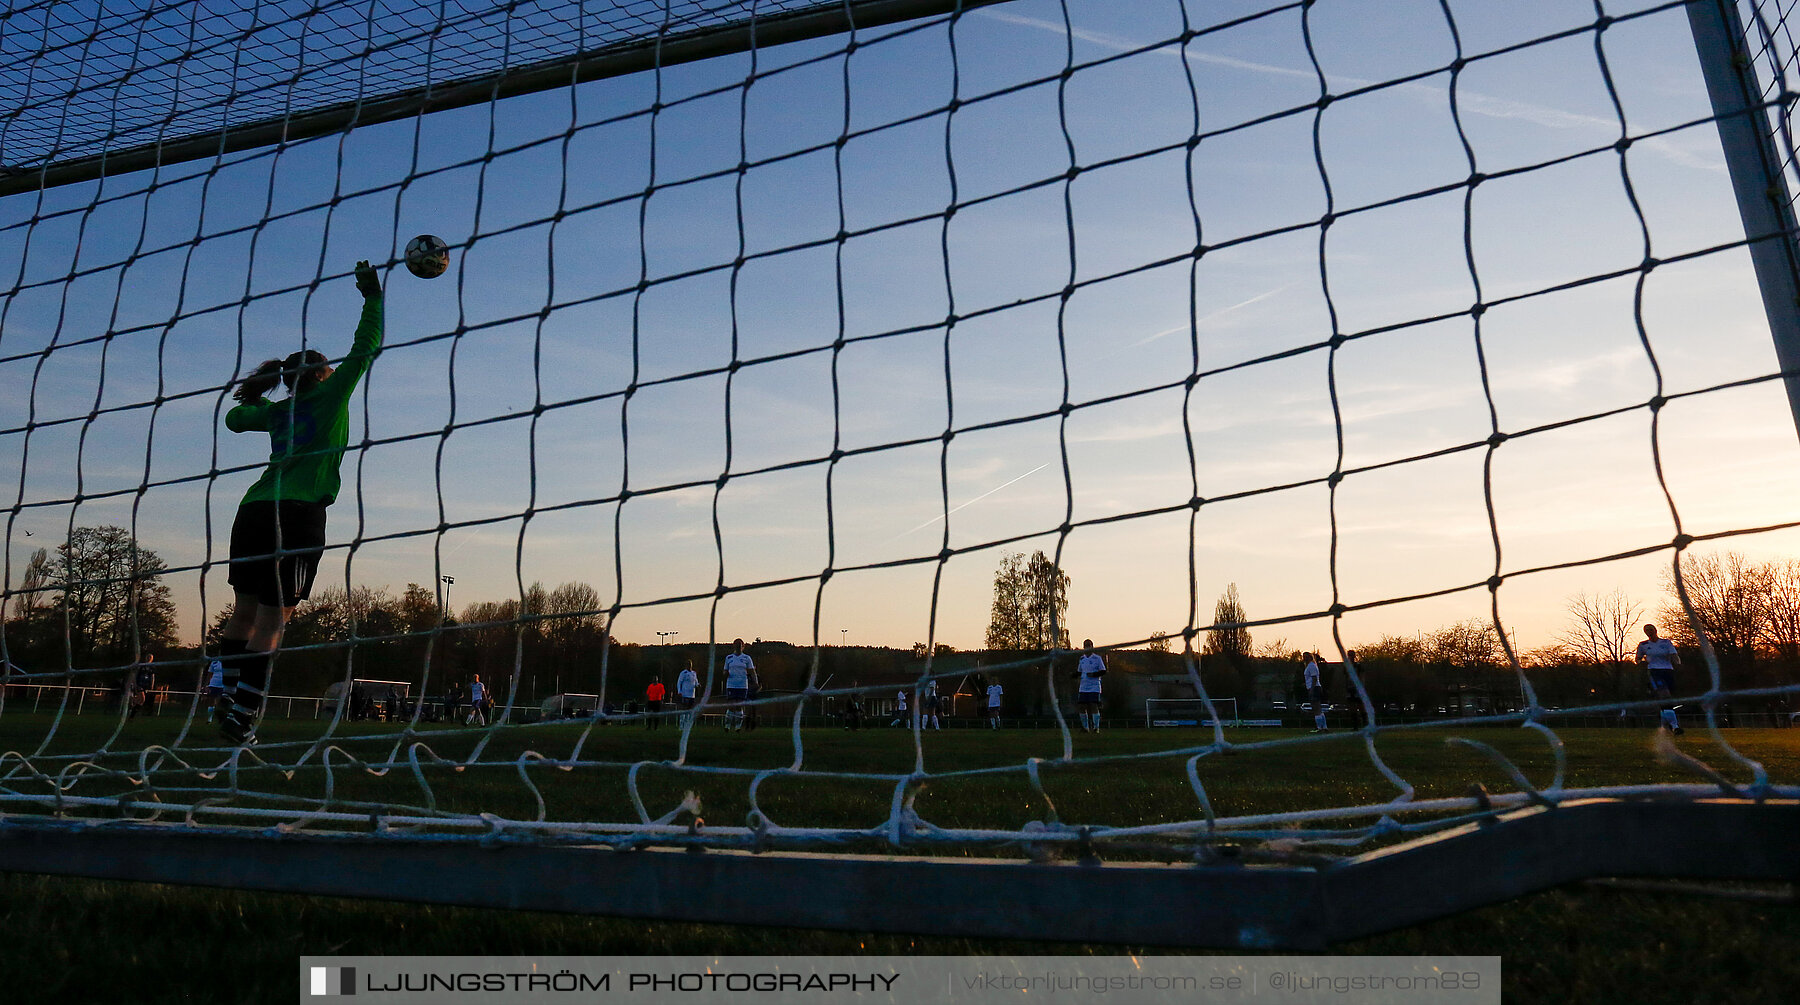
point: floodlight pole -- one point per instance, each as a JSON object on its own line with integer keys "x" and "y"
{"x": 1764, "y": 201}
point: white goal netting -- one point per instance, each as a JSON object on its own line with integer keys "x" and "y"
{"x": 787, "y": 321}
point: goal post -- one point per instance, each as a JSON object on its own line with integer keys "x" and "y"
{"x": 1750, "y": 73}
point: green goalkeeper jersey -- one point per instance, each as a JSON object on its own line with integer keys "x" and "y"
{"x": 309, "y": 432}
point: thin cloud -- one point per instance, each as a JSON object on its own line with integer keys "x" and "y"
{"x": 1469, "y": 102}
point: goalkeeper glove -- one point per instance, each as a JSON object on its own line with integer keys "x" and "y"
{"x": 367, "y": 282}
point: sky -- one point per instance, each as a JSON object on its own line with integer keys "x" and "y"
{"x": 521, "y": 395}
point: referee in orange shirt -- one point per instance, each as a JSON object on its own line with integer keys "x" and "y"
{"x": 653, "y": 696}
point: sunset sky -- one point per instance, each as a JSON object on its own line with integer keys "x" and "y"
{"x": 538, "y": 311}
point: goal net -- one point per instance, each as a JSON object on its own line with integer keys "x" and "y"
{"x": 905, "y": 344}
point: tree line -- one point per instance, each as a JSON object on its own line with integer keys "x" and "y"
{"x": 1747, "y": 611}
{"x": 98, "y": 600}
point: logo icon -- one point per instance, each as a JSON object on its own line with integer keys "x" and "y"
{"x": 333, "y": 981}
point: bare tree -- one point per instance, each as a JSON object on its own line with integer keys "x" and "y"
{"x": 1730, "y": 598}
{"x": 1603, "y": 632}
{"x": 1781, "y": 629}
{"x": 27, "y": 629}
{"x": 1603, "y": 627}
{"x": 34, "y": 589}
{"x": 1396, "y": 649}
{"x": 1159, "y": 642}
{"x": 1468, "y": 644}
{"x": 1547, "y": 657}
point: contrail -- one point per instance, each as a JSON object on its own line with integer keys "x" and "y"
{"x": 1473, "y": 102}
{"x": 971, "y": 502}
{"x": 1221, "y": 312}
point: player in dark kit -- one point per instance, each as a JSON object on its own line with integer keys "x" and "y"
{"x": 279, "y": 533}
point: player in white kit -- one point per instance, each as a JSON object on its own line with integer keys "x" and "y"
{"x": 1659, "y": 658}
{"x": 739, "y": 669}
{"x": 1088, "y": 672}
{"x": 1315, "y": 691}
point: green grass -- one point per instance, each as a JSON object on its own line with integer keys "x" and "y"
{"x": 79, "y": 940}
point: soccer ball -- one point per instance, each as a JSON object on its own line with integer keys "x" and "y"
{"x": 427, "y": 256}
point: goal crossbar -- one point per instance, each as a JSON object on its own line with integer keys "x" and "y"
{"x": 1222, "y": 902}
{"x": 615, "y": 60}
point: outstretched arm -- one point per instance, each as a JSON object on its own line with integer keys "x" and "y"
{"x": 368, "y": 331}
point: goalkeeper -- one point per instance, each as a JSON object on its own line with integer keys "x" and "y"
{"x": 279, "y": 534}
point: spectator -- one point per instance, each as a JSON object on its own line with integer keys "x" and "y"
{"x": 853, "y": 710}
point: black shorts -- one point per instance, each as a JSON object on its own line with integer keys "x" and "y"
{"x": 283, "y": 581}
{"x": 1087, "y": 697}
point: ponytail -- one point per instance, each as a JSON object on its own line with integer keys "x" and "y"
{"x": 259, "y": 383}
{"x": 301, "y": 372}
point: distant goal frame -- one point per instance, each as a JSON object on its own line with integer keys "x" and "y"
{"x": 1226, "y": 710}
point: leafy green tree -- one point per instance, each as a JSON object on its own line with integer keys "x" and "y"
{"x": 1031, "y": 604}
{"x": 1228, "y": 636}
{"x": 109, "y": 602}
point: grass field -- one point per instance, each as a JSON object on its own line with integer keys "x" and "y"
{"x": 78, "y": 940}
